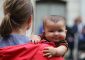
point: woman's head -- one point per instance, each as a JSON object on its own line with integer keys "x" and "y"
{"x": 16, "y": 14}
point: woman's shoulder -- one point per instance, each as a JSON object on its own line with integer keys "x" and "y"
{"x": 13, "y": 39}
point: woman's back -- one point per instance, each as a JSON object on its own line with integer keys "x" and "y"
{"x": 13, "y": 39}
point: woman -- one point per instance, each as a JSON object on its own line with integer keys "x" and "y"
{"x": 13, "y": 42}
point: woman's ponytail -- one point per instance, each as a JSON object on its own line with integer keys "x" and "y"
{"x": 6, "y": 27}
{"x": 17, "y": 13}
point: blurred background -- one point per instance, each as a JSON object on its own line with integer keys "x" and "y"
{"x": 73, "y": 11}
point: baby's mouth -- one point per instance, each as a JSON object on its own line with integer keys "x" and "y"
{"x": 55, "y": 39}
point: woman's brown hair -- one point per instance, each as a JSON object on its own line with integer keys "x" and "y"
{"x": 16, "y": 12}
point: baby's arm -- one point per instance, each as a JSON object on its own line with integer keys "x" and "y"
{"x": 61, "y": 50}
{"x": 58, "y": 51}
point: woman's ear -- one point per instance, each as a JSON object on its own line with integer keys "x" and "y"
{"x": 30, "y": 19}
{"x": 29, "y": 22}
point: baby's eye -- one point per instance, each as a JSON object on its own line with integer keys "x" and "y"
{"x": 60, "y": 30}
{"x": 51, "y": 31}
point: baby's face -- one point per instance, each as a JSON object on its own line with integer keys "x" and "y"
{"x": 55, "y": 31}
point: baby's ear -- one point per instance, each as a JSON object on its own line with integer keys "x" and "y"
{"x": 66, "y": 31}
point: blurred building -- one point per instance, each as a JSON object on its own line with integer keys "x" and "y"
{"x": 68, "y": 8}
{"x": 1, "y": 10}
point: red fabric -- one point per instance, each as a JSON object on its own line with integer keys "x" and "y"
{"x": 26, "y": 52}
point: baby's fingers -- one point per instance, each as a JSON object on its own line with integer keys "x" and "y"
{"x": 45, "y": 51}
{"x": 46, "y": 48}
{"x": 35, "y": 41}
{"x": 47, "y": 55}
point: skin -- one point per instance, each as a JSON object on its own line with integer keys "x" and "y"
{"x": 24, "y": 27}
{"x": 55, "y": 32}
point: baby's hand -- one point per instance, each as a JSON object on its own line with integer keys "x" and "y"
{"x": 35, "y": 39}
{"x": 49, "y": 52}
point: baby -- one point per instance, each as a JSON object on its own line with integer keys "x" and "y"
{"x": 54, "y": 31}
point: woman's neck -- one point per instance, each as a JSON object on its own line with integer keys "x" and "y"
{"x": 19, "y": 31}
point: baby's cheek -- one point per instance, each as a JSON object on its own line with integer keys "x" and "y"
{"x": 62, "y": 36}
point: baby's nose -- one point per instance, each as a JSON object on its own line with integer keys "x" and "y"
{"x": 56, "y": 33}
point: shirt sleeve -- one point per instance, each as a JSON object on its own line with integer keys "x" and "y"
{"x": 42, "y": 36}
